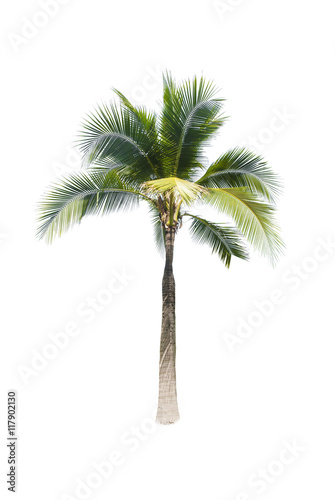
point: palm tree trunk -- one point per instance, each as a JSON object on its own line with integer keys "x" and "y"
{"x": 167, "y": 412}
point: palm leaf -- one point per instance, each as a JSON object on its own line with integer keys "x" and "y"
{"x": 223, "y": 240}
{"x": 242, "y": 168}
{"x": 81, "y": 194}
{"x": 190, "y": 116}
{"x": 112, "y": 136}
{"x": 255, "y": 219}
{"x": 147, "y": 121}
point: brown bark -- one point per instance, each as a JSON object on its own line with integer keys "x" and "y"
{"x": 167, "y": 412}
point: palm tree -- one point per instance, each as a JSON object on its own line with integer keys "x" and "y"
{"x": 132, "y": 155}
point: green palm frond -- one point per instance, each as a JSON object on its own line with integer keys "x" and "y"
{"x": 255, "y": 219}
{"x": 223, "y": 240}
{"x": 148, "y": 122}
{"x": 242, "y": 168}
{"x": 147, "y": 119}
{"x": 81, "y": 194}
{"x": 113, "y": 137}
{"x": 187, "y": 191}
{"x": 190, "y": 116}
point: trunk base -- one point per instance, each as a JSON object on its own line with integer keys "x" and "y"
{"x": 166, "y": 420}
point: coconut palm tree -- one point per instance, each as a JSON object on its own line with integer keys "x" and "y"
{"x": 131, "y": 155}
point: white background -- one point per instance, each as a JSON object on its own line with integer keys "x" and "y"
{"x": 237, "y": 408}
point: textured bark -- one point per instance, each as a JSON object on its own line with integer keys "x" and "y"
{"x": 167, "y": 412}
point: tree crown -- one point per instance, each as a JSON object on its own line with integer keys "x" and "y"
{"x": 131, "y": 154}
